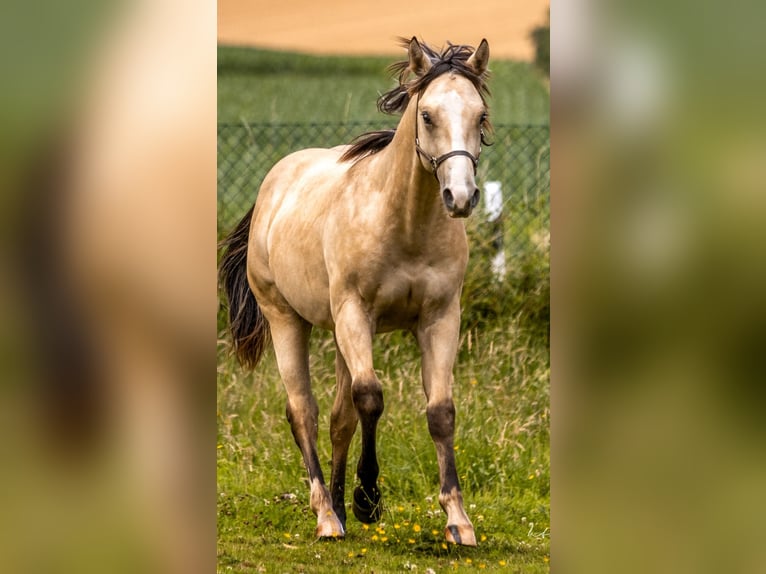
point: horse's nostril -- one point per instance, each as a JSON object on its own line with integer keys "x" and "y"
{"x": 449, "y": 200}
{"x": 475, "y": 198}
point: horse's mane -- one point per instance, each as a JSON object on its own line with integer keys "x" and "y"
{"x": 453, "y": 58}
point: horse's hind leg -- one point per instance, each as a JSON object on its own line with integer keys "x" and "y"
{"x": 342, "y": 427}
{"x": 290, "y": 335}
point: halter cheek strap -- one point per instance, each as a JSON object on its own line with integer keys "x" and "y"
{"x": 437, "y": 161}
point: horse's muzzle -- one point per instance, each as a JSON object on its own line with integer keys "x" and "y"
{"x": 456, "y": 208}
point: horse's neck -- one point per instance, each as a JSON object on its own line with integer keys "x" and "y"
{"x": 413, "y": 191}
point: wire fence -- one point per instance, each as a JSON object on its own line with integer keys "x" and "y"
{"x": 519, "y": 163}
{"x": 519, "y": 160}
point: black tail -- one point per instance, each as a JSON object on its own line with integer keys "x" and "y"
{"x": 249, "y": 328}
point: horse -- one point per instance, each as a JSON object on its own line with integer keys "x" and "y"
{"x": 362, "y": 239}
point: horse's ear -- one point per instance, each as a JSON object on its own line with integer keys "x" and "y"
{"x": 419, "y": 62}
{"x": 480, "y": 58}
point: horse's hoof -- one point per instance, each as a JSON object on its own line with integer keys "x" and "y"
{"x": 367, "y": 507}
{"x": 462, "y": 535}
{"x": 330, "y": 528}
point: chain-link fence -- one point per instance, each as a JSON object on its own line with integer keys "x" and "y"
{"x": 519, "y": 160}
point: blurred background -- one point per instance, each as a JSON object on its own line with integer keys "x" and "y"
{"x": 658, "y": 300}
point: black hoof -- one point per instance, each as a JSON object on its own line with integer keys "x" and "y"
{"x": 367, "y": 507}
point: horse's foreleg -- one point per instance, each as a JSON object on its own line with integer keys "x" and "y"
{"x": 291, "y": 338}
{"x": 342, "y": 427}
{"x": 438, "y": 340}
{"x": 353, "y": 334}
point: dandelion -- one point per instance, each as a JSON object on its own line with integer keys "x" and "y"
{"x": 379, "y": 530}
{"x": 482, "y": 565}
{"x": 434, "y": 532}
{"x": 365, "y": 526}
{"x": 400, "y": 508}
{"x": 374, "y": 537}
{"x": 474, "y": 382}
{"x": 287, "y": 535}
{"x": 444, "y": 546}
{"x": 416, "y": 527}
{"x": 384, "y": 539}
{"x": 468, "y": 561}
{"x": 350, "y": 554}
{"x": 483, "y": 538}
{"x": 546, "y": 559}
{"x": 411, "y": 540}
{"x": 501, "y": 562}
{"x": 396, "y": 527}
{"x": 364, "y": 551}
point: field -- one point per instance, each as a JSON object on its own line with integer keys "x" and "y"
{"x": 258, "y": 86}
{"x": 501, "y": 378}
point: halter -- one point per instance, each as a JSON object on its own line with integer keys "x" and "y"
{"x": 437, "y": 161}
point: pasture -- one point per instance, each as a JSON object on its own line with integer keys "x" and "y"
{"x": 501, "y": 376}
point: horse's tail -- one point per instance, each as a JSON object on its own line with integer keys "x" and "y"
{"x": 249, "y": 328}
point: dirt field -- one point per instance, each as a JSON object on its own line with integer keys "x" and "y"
{"x": 353, "y": 27}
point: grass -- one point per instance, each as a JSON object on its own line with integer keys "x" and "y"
{"x": 502, "y": 445}
{"x": 256, "y": 86}
{"x": 501, "y": 377}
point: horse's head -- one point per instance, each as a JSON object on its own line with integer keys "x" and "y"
{"x": 451, "y": 115}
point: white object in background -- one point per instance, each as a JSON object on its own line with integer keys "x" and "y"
{"x": 493, "y": 207}
{"x": 493, "y": 200}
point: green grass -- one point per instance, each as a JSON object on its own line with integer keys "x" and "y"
{"x": 258, "y": 86}
{"x": 502, "y": 445}
{"x": 501, "y": 377}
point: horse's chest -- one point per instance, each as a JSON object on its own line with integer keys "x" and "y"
{"x": 402, "y": 294}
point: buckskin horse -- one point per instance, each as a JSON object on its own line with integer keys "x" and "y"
{"x": 363, "y": 239}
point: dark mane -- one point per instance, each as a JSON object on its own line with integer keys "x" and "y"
{"x": 368, "y": 143}
{"x": 453, "y": 58}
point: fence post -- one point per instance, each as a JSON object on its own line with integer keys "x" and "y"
{"x": 493, "y": 208}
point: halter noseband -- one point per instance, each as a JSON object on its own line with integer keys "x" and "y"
{"x": 437, "y": 161}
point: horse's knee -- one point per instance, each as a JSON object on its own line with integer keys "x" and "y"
{"x": 367, "y": 395}
{"x": 441, "y": 419}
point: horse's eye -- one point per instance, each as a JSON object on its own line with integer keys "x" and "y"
{"x": 483, "y": 118}
{"x": 426, "y": 118}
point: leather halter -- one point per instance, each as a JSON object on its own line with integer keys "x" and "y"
{"x": 437, "y": 161}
